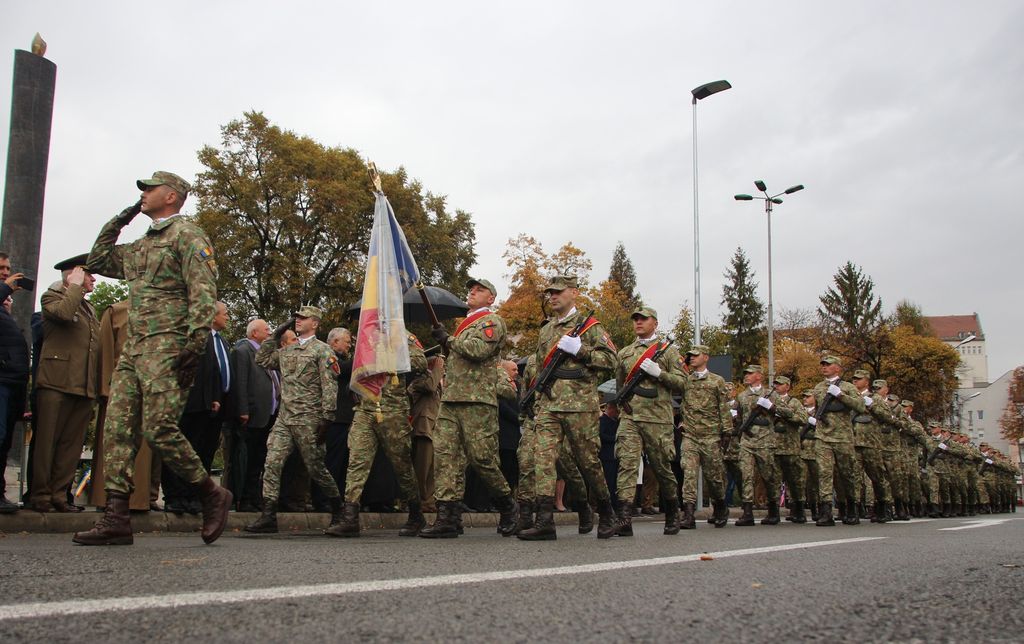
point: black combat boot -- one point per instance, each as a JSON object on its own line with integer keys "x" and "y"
{"x": 947, "y": 510}
{"x": 543, "y": 528}
{"x": 688, "y": 521}
{"x": 864, "y": 511}
{"x": 586, "y": 517}
{"x": 934, "y": 512}
{"x": 963, "y": 509}
{"x": 773, "y": 514}
{"x": 798, "y": 512}
{"x": 114, "y": 528}
{"x": 266, "y": 523}
{"x": 852, "y": 515}
{"x": 721, "y": 513}
{"x": 624, "y": 520}
{"x": 983, "y": 508}
{"x": 841, "y": 510}
{"x": 446, "y": 525}
{"x": 882, "y": 513}
{"x": 872, "y": 512}
{"x": 901, "y": 511}
{"x": 825, "y": 515}
{"x": 606, "y": 520}
{"x": 671, "y": 516}
{"x": 971, "y": 509}
{"x": 814, "y": 510}
{"x": 747, "y": 518}
{"x": 525, "y": 516}
{"x": 508, "y": 513}
{"x": 344, "y": 519}
{"x": 336, "y": 504}
{"x": 415, "y": 522}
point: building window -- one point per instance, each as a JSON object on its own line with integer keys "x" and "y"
{"x": 981, "y": 415}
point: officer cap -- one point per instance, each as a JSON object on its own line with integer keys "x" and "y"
{"x": 831, "y": 360}
{"x": 161, "y": 178}
{"x": 861, "y": 374}
{"x": 644, "y": 312}
{"x": 698, "y": 350}
{"x": 477, "y": 281}
{"x": 71, "y": 262}
{"x": 782, "y": 380}
{"x": 562, "y": 282}
{"x": 753, "y": 368}
{"x": 308, "y": 311}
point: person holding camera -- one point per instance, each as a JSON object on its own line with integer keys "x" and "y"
{"x": 14, "y": 367}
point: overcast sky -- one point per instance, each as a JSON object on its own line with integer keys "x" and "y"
{"x": 572, "y": 121}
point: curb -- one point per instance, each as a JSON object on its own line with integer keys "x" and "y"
{"x": 29, "y": 522}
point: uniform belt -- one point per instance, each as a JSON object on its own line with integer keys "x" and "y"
{"x": 569, "y": 374}
{"x": 646, "y": 392}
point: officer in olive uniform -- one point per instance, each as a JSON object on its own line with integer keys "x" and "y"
{"x": 309, "y": 395}
{"x": 572, "y": 410}
{"x": 645, "y": 422}
{"x": 172, "y": 290}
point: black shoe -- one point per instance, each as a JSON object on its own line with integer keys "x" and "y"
{"x": 174, "y": 506}
{"x": 193, "y": 506}
{"x": 721, "y": 513}
{"x": 508, "y": 515}
{"x": 267, "y": 521}
{"x": 6, "y": 507}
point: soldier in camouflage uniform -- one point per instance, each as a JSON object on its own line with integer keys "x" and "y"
{"x": 916, "y": 444}
{"x": 892, "y": 451}
{"x": 791, "y": 418}
{"x": 730, "y": 447}
{"x": 309, "y": 395}
{"x": 571, "y": 413}
{"x": 385, "y": 424}
{"x": 172, "y": 282}
{"x": 973, "y": 461}
{"x": 834, "y": 446}
{"x": 757, "y": 445}
{"x": 939, "y": 472}
{"x": 809, "y": 458}
{"x": 467, "y": 424}
{"x": 867, "y": 437}
{"x": 707, "y": 419}
{"x": 645, "y": 422}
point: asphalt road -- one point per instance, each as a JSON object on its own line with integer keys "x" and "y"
{"x": 917, "y": 581}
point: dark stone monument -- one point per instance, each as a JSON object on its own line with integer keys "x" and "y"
{"x": 27, "y": 155}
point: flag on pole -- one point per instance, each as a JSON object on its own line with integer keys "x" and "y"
{"x": 381, "y": 342}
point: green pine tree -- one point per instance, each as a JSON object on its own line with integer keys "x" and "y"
{"x": 743, "y": 320}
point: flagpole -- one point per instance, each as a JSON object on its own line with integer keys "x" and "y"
{"x": 375, "y": 179}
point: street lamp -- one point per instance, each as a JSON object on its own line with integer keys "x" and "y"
{"x": 769, "y": 201}
{"x": 699, "y": 93}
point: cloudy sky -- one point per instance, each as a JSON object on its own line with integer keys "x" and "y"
{"x": 571, "y": 121}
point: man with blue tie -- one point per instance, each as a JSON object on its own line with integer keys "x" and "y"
{"x": 202, "y": 418}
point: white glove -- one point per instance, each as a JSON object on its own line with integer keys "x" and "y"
{"x": 570, "y": 344}
{"x": 989, "y": 461}
{"x": 834, "y": 390}
{"x": 733, "y": 413}
{"x": 868, "y": 400}
{"x": 650, "y": 367}
{"x": 764, "y": 402}
{"x": 943, "y": 446}
{"x": 813, "y": 421}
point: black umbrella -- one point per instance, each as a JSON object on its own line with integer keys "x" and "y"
{"x": 445, "y": 304}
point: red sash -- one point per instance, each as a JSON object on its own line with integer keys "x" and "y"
{"x": 651, "y": 350}
{"x": 586, "y": 327}
{"x": 470, "y": 320}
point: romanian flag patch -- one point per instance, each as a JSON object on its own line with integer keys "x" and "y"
{"x": 205, "y": 253}
{"x": 488, "y": 329}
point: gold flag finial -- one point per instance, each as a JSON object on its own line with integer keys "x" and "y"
{"x": 38, "y": 45}
{"x": 374, "y": 176}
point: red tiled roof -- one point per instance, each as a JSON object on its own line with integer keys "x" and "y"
{"x": 955, "y": 327}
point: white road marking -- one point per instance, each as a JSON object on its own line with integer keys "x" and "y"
{"x": 179, "y": 600}
{"x": 979, "y": 523}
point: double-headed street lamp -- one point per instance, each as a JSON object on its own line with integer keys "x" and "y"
{"x": 769, "y": 201}
{"x": 699, "y": 93}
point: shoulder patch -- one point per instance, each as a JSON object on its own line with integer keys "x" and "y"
{"x": 608, "y": 341}
{"x": 416, "y": 341}
{"x": 332, "y": 362}
{"x": 205, "y": 253}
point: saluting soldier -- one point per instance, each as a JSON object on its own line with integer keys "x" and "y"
{"x": 791, "y": 418}
{"x": 757, "y": 445}
{"x": 707, "y": 420}
{"x": 309, "y": 396}
{"x": 645, "y": 422}
{"x": 385, "y": 425}
{"x": 467, "y": 424}
{"x": 172, "y": 288}
{"x": 571, "y": 413}
{"x": 834, "y": 446}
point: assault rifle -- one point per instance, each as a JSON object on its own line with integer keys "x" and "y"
{"x": 819, "y": 413}
{"x": 546, "y": 378}
{"x": 744, "y": 428}
{"x": 629, "y": 387}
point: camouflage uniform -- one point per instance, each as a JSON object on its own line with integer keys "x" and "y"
{"x": 757, "y": 449}
{"x": 938, "y": 472}
{"x": 915, "y": 445}
{"x": 390, "y": 430}
{"x": 791, "y": 419}
{"x": 467, "y": 424}
{"x": 706, "y": 417}
{"x": 309, "y": 394}
{"x": 572, "y": 411}
{"x": 867, "y": 437}
{"x": 172, "y": 282}
{"x": 809, "y": 462}
{"x": 834, "y": 445}
{"x": 647, "y": 425}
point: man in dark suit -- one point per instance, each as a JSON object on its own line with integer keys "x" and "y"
{"x": 254, "y": 399}
{"x": 336, "y": 438}
{"x": 200, "y": 422}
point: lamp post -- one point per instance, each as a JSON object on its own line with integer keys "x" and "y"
{"x": 699, "y": 93}
{"x": 769, "y": 201}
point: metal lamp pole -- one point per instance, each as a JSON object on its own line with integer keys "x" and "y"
{"x": 769, "y": 201}
{"x": 699, "y": 93}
